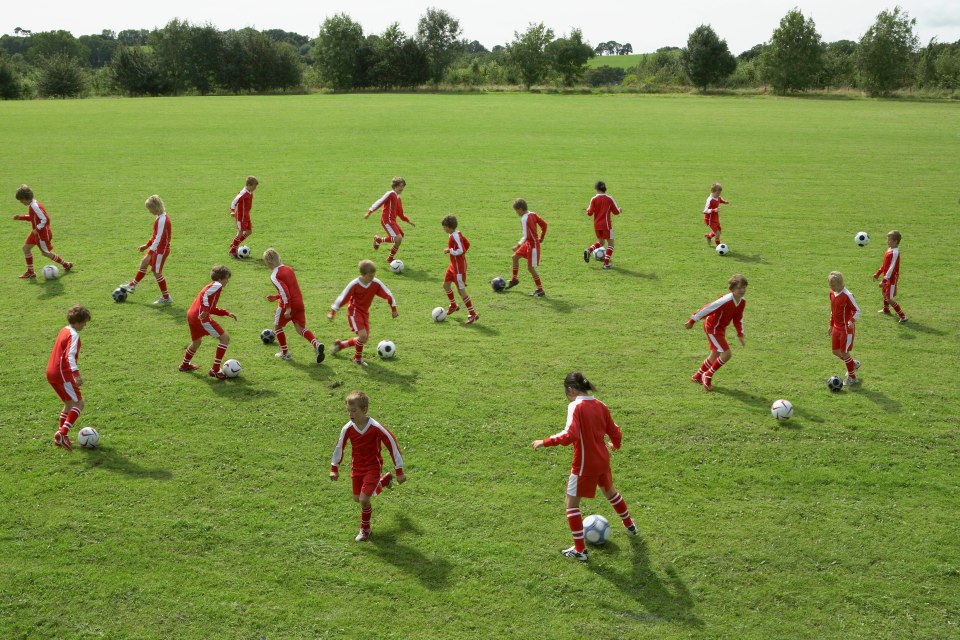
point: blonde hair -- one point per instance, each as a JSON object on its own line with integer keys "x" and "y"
{"x": 77, "y": 313}
{"x": 397, "y": 181}
{"x": 895, "y": 235}
{"x": 252, "y": 180}
{"x": 716, "y": 188}
{"x": 271, "y": 257}
{"x": 737, "y": 280}
{"x": 367, "y": 266}
{"x": 359, "y": 400}
{"x": 835, "y": 278}
{"x": 520, "y": 205}
{"x": 24, "y": 193}
{"x": 154, "y": 204}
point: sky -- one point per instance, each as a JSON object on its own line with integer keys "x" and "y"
{"x": 646, "y": 25}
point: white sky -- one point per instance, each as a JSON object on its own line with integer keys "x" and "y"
{"x": 646, "y": 25}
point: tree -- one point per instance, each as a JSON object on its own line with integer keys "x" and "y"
{"x": 133, "y": 37}
{"x": 205, "y": 47}
{"x": 793, "y": 60}
{"x": 885, "y": 52}
{"x": 397, "y": 60}
{"x": 61, "y": 77}
{"x": 475, "y": 47}
{"x": 438, "y": 34}
{"x": 706, "y": 59}
{"x": 50, "y": 43}
{"x": 337, "y": 52}
{"x": 135, "y": 72}
{"x": 101, "y": 48}
{"x": 569, "y": 56}
{"x": 528, "y": 53}
{"x": 171, "y": 45}
{"x": 9, "y": 80}
{"x": 625, "y": 49}
{"x": 839, "y": 64}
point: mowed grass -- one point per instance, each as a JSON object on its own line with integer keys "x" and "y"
{"x": 619, "y": 62}
{"x": 207, "y": 511}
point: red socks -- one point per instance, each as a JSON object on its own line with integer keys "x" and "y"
{"x": 575, "y": 520}
{"x": 516, "y": 270}
{"x": 162, "y": 283}
{"x": 70, "y": 420}
{"x": 218, "y": 358}
{"x": 187, "y": 357}
{"x": 536, "y": 281}
{"x": 282, "y": 339}
{"x": 620, "y": 506}
{"x": 365, "y": 513}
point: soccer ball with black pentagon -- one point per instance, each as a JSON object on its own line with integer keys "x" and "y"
{"x": 268, "y": 336}
{"x": 834, "y": 383}
{"x": 498, "y": 284}
{"x": 119, "y": 294}
{"x": 386, "y": 349}
{"x": 862, "y": 238}
{"x": 596, "y": 529}
{"x": 723, "y": 249}
{"x": 243, "y": 251}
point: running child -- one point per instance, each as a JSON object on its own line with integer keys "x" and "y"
{"x": 240, "y": 209}
{"x": 600, "y": 209}
{"x": 359, "y": 294}
{"x": 392, "y": 210}
{"x": 529, "y": 245}
{"x": 717, "y": 316}
{"x": 890, "y": 270}
{"x": 588, "y": 425}
{"x": 844, "y": 314}
{"x": 41, "y": 234}
{"x": 201, "y": 324}
{"x": 711, "y": 213}
{"x": 157, "y": 248}
{"x": 290, "y": 307}
{"x": 457, "y": 246}
{"x": 63, "y": 373}
{"x": 366, "y": 436}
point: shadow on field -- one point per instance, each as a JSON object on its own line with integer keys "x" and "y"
{"x": 744, "y": 397}
{"x": 51, "y": 289}
{"x": 880, "y": 399}
{"x": 110, "y": 460}
{"x": 178, "y": 314}
{"x": 479, "y": 327}
{"x": 560, "y": 306}
{"x": 388, "y": 374}
{"x": 922, "y": 328}
{"x": 755, "y": 258}
{"x": 414, "y": 274}
{"x": 237, "y": 388}
{"x": 432, "y": 572}
{"x": 665, "y": 599}
{"x": 316, "y": 371}
{"x": 636, "y": 274}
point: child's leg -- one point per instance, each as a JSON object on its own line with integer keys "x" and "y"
{"x": 221, "y": 351}
{"x": 28, "y": 256}
{"x": 516, "y": 268}
{"x": 848, "y": 361}
{"x": 141, "y": 270}
{"x": 73, "y": 415}
{"x": 609, "y": 252}
{"x": 698, "y": 376}
{"x": 397, "y": 240}
{"x": 453, "y": 301}
{"x": 282, "y": 339}
{"x": 467, "y": 302}
{"x": 575, "y": 522}
{"x": 189, "y": 353}
{"x": 619, "y": 505}
{"x": 307, "y": 335}
{"x": 358, "y": 343}
{"x": 718, "y": 361}
{"x": 366, "y": 512}
{"x": 896, "y": 307}
{"x": 50, "y": 254}
{"x": 536, "y": 276}
{"x": 240, "y": 237}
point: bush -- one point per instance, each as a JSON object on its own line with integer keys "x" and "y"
{"x": 61, "y": 76}
{"x": 9, "y": 81}
{"x": 604, "y": 76}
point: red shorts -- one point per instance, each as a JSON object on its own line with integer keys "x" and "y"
{"x": 392, "y": 228}
{"x": 717, "y": 340}
{"x": 208, "y": 327}
{"x": 367, "y": 482}
{"x": 459, "y": 279}
{"x": 42, "y": 240}
{"x": 358, "y": 321}
{"x": 298, "y": 315}
{"x": 712, "y": 220}
{"x": 244, "y": 228}
{"x": 603, "y": 234}
{"x": 889, "y": 290}
{"x": 586, "y": 486}
{"x": 67, "y": 391}
{"x": 157, "y": 261}
{"x": 531, "y": 253}
{"x": 841, "y": 339}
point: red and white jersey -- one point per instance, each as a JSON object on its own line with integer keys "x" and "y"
{"x": 392, "y": 208}
{"x": 366, "y": 442}
{"x": 206, "y": 301}
{"x": 720, "y": 313}
{"x": 713, "y": 204}
{"x": 601, "y": 208}
{"x": 159, "y": 242}
{"x": 890, "y": 269}
{"x": 285, "y": 280}
{"x": 529, "y": 223}
{"x": 241, "y": 205}
{"x": 38, "y": 218}
{"x": 458, "y": 245}
{"x": 588, "y": 421}
{"x": 63, "y": 359}
{"x": 843, "y": 309}
{"x": 360, "y": 296}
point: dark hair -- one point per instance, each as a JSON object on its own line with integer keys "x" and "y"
{"x": 77, "y": 313}
{"x": 601, "y": 186}
{"x": 219, "y": 273}
{"x": 520, "y": 205}
{"x": 449, "y": 222}
{"x": 576, "y": 381}
{"x": 24, "y": 193}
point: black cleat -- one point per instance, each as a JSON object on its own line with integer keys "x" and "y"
{"x": 512, "y": 284}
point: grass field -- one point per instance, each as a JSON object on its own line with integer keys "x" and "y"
{"x": 619, "y": 62}
{"x": 207, "y": 511}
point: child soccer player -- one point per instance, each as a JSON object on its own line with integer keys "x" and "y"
{"x": 366, "y": 436}
{"x": 529, "y": 245}
{"x": 41, "y": 235}
{"x": 711, "y": 213}
{"x": 588, "y": 423}
{"x": 63, "y": 373}
{"x": 392, "y": 209}
{"x": 457, "y": 247}
{"x": 290, "y": 307}
{"x": 359, "y": 294}
{"x": 201, "y": 324}
{"x": 844, "y": 313}
{"x": 157, "y": 248}
{"x": 240, "y": 209}
{"x": 890, "y": 269}
{"x": 718, "y": 314}
{"x": 601, "y": 206}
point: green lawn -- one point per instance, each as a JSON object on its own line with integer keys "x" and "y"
{"x": 207, "y": 511}
{"x": 619, "y": 62}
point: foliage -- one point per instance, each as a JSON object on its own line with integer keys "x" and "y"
{"x": 569, "y": 57}
{"x": 133, "y": 37}
{"x": 793, "y": 61}
{"x": 337, "y": 52}
{"x": 397, "y": 60}
{"x": 886, "y": 51}
{"x": 613, "y": 48}
{"x": 136, "y": 72}
{"x": 100, "y": 47}
{"x": 9, "y": 80}
{"x": 840, "y": 64}
{"x": 528, "y": 53}
{"x": 48, "y": 44}
{"x": 171, "y": 46}
{"x": 604, "y": 76}
{"x": 438, "y": 34}
{"x": 61, "y": 76}
{"x": 254, "y": 61}
{"x": 939, "y": 65}
{"x": 706, "y": 59}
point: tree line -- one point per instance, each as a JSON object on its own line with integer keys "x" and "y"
{"x": 184, "y": 58}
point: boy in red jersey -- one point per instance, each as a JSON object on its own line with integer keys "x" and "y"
{"x": 63, "y": 373}
{"x": 457, "y": 246}
{"x": 240, "y": 209}
{"x": 711, "y": 213}
{"x": 600, "y": 209}
{"x": 890, "y": 270}
{"x": 392, "y": 209}
{"x": 290, "y": 307}
{"x": 844, "y": 313}
{"x": 41, "y": 236}
{"x": 366, "y": 436}
{"x": 157, "y": 248}
{"x": 588, "y": 423}
{"x": 529, "y": 245}
{"x": 359, "y": 293}
{"x": 718, "y": 314}
{"x": 201, "y": 324}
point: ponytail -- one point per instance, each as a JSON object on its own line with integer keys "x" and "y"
{"x": 576, "y": 380}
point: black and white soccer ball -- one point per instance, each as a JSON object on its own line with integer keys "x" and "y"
{"x": 596, "y": 529}
{"x": 386, "y": 349}
{"x": 723, "y": 249}
{"x": 243, "y": 251}
{"x": 599, "y": 254}
{"x": 498, "y": 284}
{"x": 119, "y": 294}
{"x": 862, "y": 238}
{"x": 396, "y": 266}
{"x": 268, "y": 336}
{"x": 834, "y": 383}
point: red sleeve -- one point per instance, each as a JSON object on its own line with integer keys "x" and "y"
{"x": 613, "y": 432}
{"x": 886, "y": 264}
{"x": 400, "y": 213}
{"x": 721, "y": 200}
{"x": 543, "y": 227}
{"x": 738, "y": 318}
{"x": 153, "y": 237}
{"x": 24, "y": 218}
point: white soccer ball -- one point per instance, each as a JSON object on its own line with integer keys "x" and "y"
{"x": 862, "y": 238}
{"x": 439, "y": 314}
{"x": 88, "y": 437}
{"x": 396, "y": 266}
{"x": 50, "y": 272}
{"x": 599, "y": 254}
{"x": 781, "y": 409}
{"x": 386, "y": 349}
{"x": 723, "y": 249}
{"x": 243, "y": 251}
{"x": 596, "y": 529}
{"x": 231, "y": 368}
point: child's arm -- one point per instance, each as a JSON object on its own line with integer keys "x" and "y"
{"x": 337, "y": 457}
{"x": 388, "y": 439}
{"x": 21, "y": 217}
{"x": 565, "y": 437}
{"x": 342, "y": 299}
{"x": 706, "y": 310}
{"x": 738, "y": 323}
{"x": 384, "y": 293}
{"x": 376, "y": 205}
{"x": 543, "y": 228}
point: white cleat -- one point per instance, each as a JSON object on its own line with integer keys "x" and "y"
{"x": 159, "y": 302}
{"x": 129, "y": 288}
{"x": 283, "y": 356}
{"x": 336, "y": 348}
{"x": 580, "y": 556}
{"x": 849, "y": 381}
{"x": 856, "y": 365}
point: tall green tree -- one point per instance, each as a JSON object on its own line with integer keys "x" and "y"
{"x": 528, "y": 53}
{"x": 204, "y": 56}
{"x": 337, "y": 52}
{"x": 840, "y": 64}
{"x": 569, "y": 56}
{"x": 9, "y": 80}
{"x": 886, "y": 52}
{"x": 135, "y": 72}
{"x": 47, "y": 44}
{"x": 61, "y": 76}
{"x": 793, "y": 60}
{"x": 706, "y": 59}
{"x": 438, "y": 34}
{"x": 171, "y": 45}
{"x": 101, "y": 47}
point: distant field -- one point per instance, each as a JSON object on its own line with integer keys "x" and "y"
{"x": 619, "y": 62}
{"x": 207, "y": 512}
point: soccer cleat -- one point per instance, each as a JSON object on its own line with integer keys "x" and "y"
{"x": 607, "y": 266}
{"x": 233, "y": 254}
{"x": 512, "y": 283}
{"x": 283, "y": 355}
{"x": 902, "y": 320}
{"x": 363, "y": 536}
{"x": 580, "y": 556}
{"x": 707, "y": 382}
{"x": 632, "y": 530}
{"x": 67, "y": 266}
{"x": 30, "y": 273}
{"x": 320, "y": 354}
{"x": 387, "y": 481}
{"x": 539, "y": 293}
{"x": 884, "y": 311}
{"x": 586, "y": 256}
{"x": 697, "y": 377}
{"x": 376, "y": 243}
{"x": 707, "y": 236}
{"x": 473, "y": 318}
{"x": 337, "y": 346}
{"x": 216, "y": 373}
{"x": 129, "y": 288}
{"x": 849, "y": 381}
{"x": 189, "y": 367}
{"x": 360, "y": 362}
{"x": 453, "y": 308}
{"x": 62, "y": 440}
{"x": 161, "y": 301}
{"x": 856, "y": 365}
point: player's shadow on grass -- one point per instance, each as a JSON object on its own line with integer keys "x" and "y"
{"x": 636, "y": 274}
{"x": 238, "y": 388}
{"x": 754, "y": 258}
{"x": 414, "y": 274}
{"x": 390, "y": 374}
{"x": 179, "y": 314}
{"x": 485, "y": 329}
{"x": 316, "y": 371}
{"x": 387, "y": 544}
{"x": 761, "y": 403}
{"x": 922, "y": 328}
{"x": 110, "y": 460}
{"x": 666, "y": 599}
{"x": 880, "y": 399}
{"x": 559, "y": 306}
{"x": 51, "y": 289}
